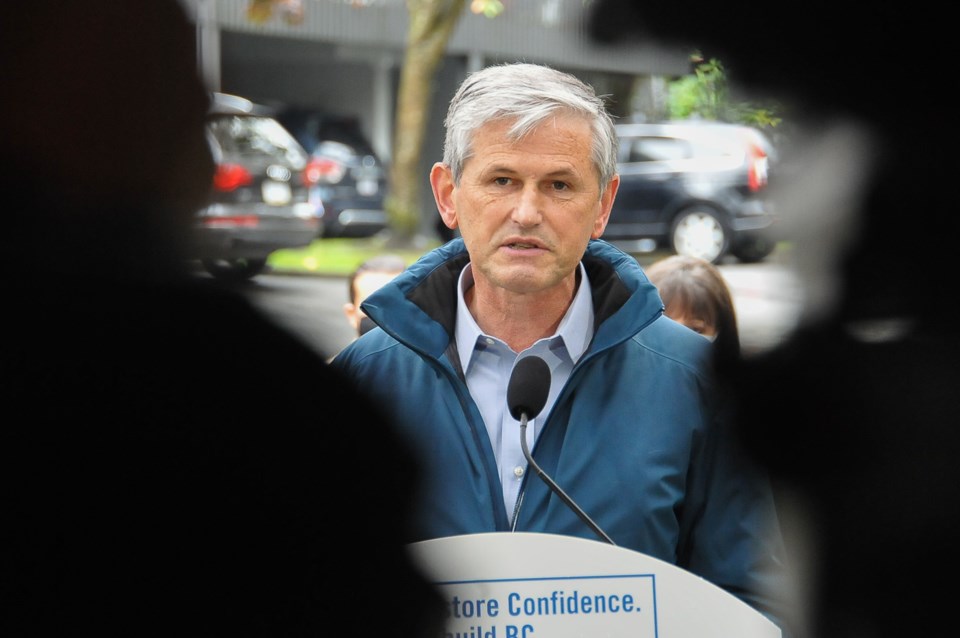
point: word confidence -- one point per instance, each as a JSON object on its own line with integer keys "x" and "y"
{"x": 558, "y": 603}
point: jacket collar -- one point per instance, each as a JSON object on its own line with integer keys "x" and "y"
{"x": 418, "y": 307}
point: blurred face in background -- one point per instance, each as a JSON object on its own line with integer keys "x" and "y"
{"x": 363, "y": 285}
{"x": 705, "y": 326}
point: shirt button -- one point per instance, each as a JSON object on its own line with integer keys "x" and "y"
{"x": 489, "y": 341}
{"x": 518, "y": 471}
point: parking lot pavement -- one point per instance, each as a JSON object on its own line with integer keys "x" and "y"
{"x": 768, "y": 299}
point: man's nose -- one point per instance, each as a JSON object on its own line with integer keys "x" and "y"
{"x": 528, "y": 209}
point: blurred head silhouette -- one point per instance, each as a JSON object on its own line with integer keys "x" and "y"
{"x": 158, "y": 482}
{"x": 855, "y": 414}
{"x": 103, "y": 128}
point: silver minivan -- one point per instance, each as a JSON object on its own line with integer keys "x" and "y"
{"x": 694, "y": 188}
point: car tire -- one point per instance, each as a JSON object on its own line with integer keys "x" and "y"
{"x": 700, "y": 232}
{"x": 754, "y": 250}
{"x": 234, "y": 269}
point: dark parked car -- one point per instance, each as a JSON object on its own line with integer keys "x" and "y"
{"x": 344, "y": 172}
{"x": 694, "y": 188}
{"x": 259, "y": 201}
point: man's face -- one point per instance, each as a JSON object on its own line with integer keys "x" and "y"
{"x": 526, "y": 209}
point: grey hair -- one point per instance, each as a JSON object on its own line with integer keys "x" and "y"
{"x": 528, "y": 94}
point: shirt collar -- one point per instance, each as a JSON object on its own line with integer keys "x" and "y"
{"x": 575, "y": 329}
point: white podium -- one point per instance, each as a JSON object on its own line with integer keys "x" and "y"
{"x": 526, "y": 585}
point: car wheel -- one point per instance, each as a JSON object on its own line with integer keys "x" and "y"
{"x": 754, "y": 250}
{"x": 699, "y": 232}
{"x": 234, "y": 269}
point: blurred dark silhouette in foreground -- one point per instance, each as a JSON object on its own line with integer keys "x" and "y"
{"x": 856, "y": 415}
{"x": 171, "y": 462}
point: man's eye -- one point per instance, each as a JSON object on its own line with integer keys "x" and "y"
{"x": 501, "y": 181}
{"x": 560, "y": 186}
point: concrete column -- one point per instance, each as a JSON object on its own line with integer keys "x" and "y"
{"x": 383, "y": 107}
{"x": 208, "y": 44}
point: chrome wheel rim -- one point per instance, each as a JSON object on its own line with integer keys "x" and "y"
{"x": 699, "y": 235}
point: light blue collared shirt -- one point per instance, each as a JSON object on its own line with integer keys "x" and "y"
{"x": 487, "y": 363}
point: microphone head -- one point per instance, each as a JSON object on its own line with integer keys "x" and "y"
{"x": 528, "y": 388}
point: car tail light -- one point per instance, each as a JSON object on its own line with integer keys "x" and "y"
{"x": 757, "y": 168}
{"x": 234, "y": 221}
{"x": 323, "y": 169}
{"x": 231, "y": 177}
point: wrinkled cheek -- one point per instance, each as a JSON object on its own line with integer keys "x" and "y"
{"x": 480, "y": 222}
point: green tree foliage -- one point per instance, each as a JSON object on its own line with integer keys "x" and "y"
{"x": 705, "y": 94}
{"x": 291, "y": 11}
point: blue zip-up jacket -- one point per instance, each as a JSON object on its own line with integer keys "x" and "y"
{"x": 632, "y": 438}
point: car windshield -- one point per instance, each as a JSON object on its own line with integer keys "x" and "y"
{"x": 335, "y": 150}
{"x": 245, "y": 135}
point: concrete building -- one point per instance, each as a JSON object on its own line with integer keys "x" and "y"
{"x": 345, "y": 56}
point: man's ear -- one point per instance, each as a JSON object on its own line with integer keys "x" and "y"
{"x": 606, "y": 204}
{"x": 441, "y": 181}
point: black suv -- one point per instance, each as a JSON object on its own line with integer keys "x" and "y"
{"x": 344, "y": 173}
{"x": 259, "y": 199}
{"x": 694, "y": 188}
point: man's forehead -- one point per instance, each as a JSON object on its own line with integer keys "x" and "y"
{"x": 558, "y": 149}
{"x": 517, "y": 127}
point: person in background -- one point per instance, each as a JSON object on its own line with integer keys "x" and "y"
{"x": 162, "y": 454}
{"x": 367, "y": 277}
{"x": 695, "y": 293}
{"x": 628, "y": 428}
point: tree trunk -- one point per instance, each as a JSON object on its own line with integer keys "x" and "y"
{"x": 431, "y": 26}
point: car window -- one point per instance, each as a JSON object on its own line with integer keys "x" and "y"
{"x": 348, "y": 137}
{"x": 718, "y": 146}
{"x": 312, "y": 129}
{"x": 335, "y": 150}
{"x": 245, "y": 136}
{"x": 658, "y": 149}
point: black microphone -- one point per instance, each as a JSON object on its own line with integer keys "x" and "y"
{"x": 528, "y": 388}
{"x": 526, "y": 395}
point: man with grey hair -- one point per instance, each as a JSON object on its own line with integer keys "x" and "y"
{"x": 630, "y": 428}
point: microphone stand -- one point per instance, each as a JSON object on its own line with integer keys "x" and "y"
{"x": 553, "y": 486}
